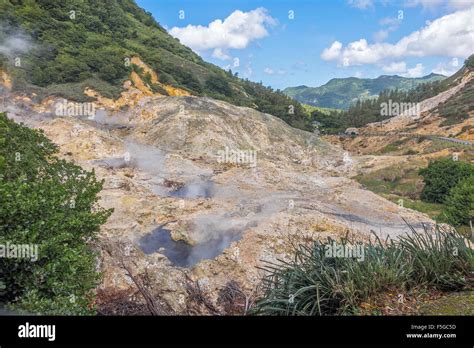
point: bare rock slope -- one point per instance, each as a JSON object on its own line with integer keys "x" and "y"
{"x": 181, "y": 213}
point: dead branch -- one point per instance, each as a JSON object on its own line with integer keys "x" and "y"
{"x": 197, "y": 298}
{"x": 115, "y": 250}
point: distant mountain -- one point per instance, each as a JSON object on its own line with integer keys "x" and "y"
{"x": 341, "y": 92}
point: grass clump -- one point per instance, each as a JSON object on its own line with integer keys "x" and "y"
{"x": 314, "y": 284}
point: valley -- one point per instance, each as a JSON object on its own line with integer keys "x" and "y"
{"x": 232, "y": 217}
{"x": 188, "y": 190}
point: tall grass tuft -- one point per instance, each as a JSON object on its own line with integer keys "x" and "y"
{"x": 314, "y": 284}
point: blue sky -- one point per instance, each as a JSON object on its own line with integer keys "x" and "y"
{"x": 324, "y": 39}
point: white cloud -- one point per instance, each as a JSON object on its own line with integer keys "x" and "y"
{"x": 395, "y": 68}
{"x": 448, "y": 68}
{"x": 237, "y": 31}
{"x": 390, "y": 24}
{"x": 400, "y": 68}
{"x": 362, "y": 4}
{"x": 441, "y": 69}
{"x": 460, "y": 4}
{"x": 333, "y": 52}
{"x": 417, "y": 71}
{"x": 380, "y": 35}
{"x": 455, "y": 31}
{"x": 220, "y": 54}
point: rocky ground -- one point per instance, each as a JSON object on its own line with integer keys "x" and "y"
{"x": 182, "y": 214}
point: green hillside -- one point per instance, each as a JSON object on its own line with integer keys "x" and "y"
{"x": 340, "y": 93}
{"x": 75, "y": 44}
{"x": 311, "y": 108}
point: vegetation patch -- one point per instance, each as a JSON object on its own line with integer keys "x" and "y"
{"x": 315, "y": 284}
{"x": 393, "y": 147}
{"x": 458, "y": 303}
{"x": 457, "y": 108}
{"x": 441, "y": 176}
{"x": 49, "y": 208}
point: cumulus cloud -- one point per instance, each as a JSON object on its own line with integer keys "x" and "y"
{"x": 447, "y": 68}
{"x": 237, "y": 31}
{"x": 454, "y": 30}
{"x": 400, "y": 68}
{"x": 395, "y": 68}
{"x": 333, "y": 52}
{"x": 443, "y": 70}
{"x": 416, "y": 71}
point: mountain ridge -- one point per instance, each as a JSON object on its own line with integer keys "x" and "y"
{"x": 340, "y": 92}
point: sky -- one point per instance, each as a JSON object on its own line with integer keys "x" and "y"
{"x": 286, "y": 43}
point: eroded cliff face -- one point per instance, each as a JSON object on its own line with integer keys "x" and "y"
{"x": 5, "y": 80}
{"x": 134, "y": 89}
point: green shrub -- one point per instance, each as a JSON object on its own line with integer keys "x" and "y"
{"x": 50, "y": 203}
{"x": 441, "y": 176}
{"x": 459, "y": 205}
{"x": 218, "y": 84}
{"x": 314, "y": 284}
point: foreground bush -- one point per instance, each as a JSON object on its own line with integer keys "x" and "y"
{"x": 441, "y": 176}
{"x": 314, "y": 284}
{"x": 51, "y": 203}
{"x": 459, "y": 205}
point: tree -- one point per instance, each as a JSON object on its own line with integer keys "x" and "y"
{"x": 218, "y": 84}
{"x": 441, "y": 176}
{"x": 51, "y": 204}
{"x": 459, "y": 208}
